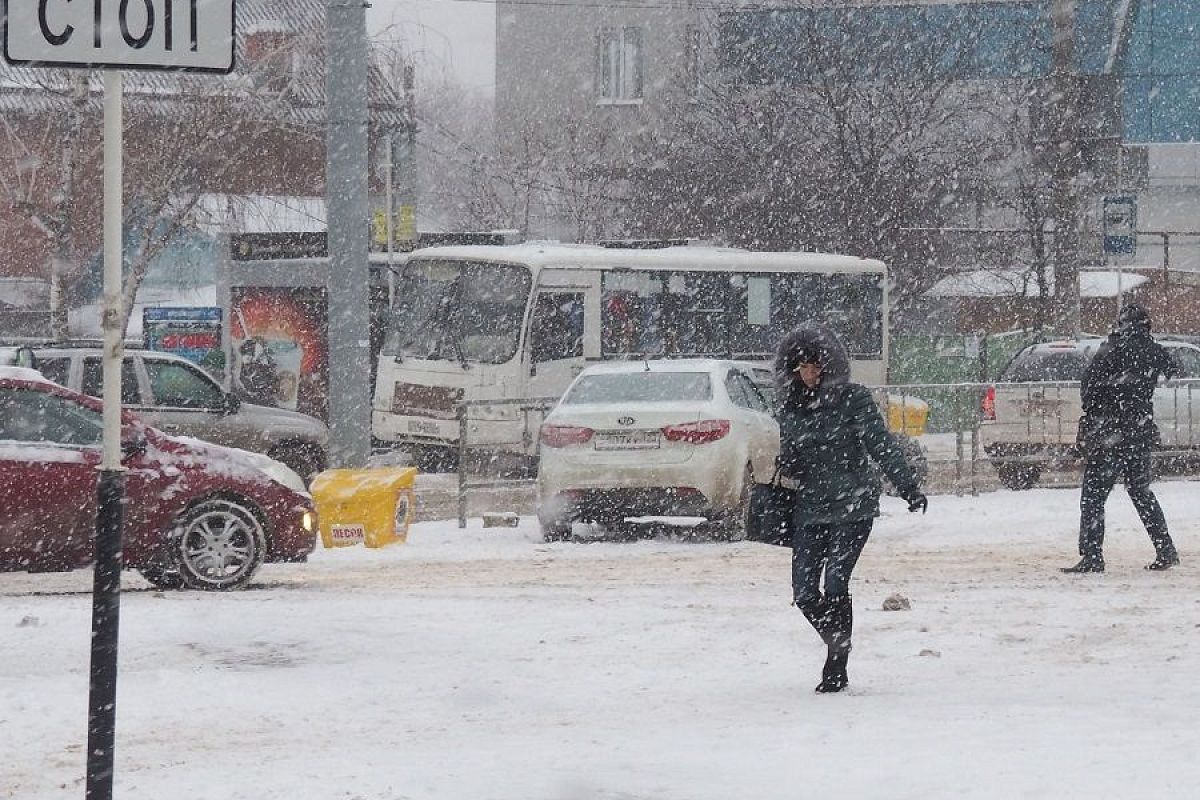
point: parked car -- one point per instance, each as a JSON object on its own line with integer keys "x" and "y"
{"x": 1031, "y": 417}
{"x": 198, "y": 515}
{"x": 177, "y": 397}
{"x": 665, "y": 437}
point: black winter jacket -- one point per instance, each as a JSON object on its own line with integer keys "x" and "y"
{"x": 828, "y": 434}
{"x": 1121, "y": 379}
{"x": 1117, "y": 390}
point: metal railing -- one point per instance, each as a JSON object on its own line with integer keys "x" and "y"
{"x": 508, "y": 461}
{"x": 961, "y": 448}
{"x": 1030, "y": 431}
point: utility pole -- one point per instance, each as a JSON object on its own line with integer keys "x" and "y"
{"x": 348, "y": 212}
{"x": 406, "y": 183}
{"x": 1062, "y": 108}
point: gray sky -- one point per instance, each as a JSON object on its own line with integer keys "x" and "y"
{"x": 454, "y": 36}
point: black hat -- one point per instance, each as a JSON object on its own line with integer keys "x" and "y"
{"x": 1133, "y": 315}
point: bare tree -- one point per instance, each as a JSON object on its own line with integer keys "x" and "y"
{"x": 200, "y": 136}
{"x": 550, "y": 177}
{"x": 844, "y": 137}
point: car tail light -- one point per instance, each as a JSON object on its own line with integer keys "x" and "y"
{"x": 708, "y": 430}
{"x": 988, "y": 405}
{"x": 565, "y": 435}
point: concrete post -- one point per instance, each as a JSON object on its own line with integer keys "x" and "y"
{"x": 348, "y": 212}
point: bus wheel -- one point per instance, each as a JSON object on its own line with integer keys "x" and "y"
{"x": 555, "y": 530}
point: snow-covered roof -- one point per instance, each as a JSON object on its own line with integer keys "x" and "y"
{"x": 23, "y": 292}
{"x": 1018, "y": 283}
{"x": 586, "y": 256}
{"x": 84, "y": 322}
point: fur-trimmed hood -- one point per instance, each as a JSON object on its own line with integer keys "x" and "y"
{"x": 811, "y": 338}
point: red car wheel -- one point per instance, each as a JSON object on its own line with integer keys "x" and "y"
{"x": 218, "y": 544}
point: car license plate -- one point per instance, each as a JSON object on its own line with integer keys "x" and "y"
{"x": 627, "y": 440}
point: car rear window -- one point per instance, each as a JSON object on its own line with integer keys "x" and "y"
{"x": 1048, "y": 365}
{"x": 641, "y": 387}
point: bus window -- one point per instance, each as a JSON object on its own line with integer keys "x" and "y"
{"x": 697, "y": 310}
{"x": 667, "y": 313}
{"x": 458, "y": 311}
{"x": 631, "y": 313}
{"x": 852, "y": 305}
{"x": 556, "y": 327}
{"x": 750, "y": 331}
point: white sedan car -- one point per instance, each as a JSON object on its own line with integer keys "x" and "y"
{"x": 656, "y": 438}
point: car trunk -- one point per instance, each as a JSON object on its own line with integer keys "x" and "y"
{"x": 631, "y": 434}
{"x": 1039, "y": 413}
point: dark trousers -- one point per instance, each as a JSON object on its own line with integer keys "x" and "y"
{"x": 831, "y": 550}
{"x": 1131, "y": 464}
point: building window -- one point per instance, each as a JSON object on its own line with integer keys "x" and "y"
{"x": 619, "y": 63}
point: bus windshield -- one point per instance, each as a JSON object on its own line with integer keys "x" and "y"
{"x": 458, "y": 311}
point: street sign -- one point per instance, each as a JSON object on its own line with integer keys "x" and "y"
{"x": 1120, "y": 225}
{"x": 267, "y": 246}
{"x": 177, "y": 35}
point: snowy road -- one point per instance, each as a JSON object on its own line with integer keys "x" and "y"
{"x": 485, "y": 664}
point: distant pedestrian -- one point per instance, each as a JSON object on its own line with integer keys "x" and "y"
{"x": 1116, "y": 434}
{"x": 829, "y": 429}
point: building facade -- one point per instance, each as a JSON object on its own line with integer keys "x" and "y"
{"x": 1138, "y": 63}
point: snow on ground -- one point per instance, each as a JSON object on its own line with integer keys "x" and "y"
{"x": 485, "y": 664}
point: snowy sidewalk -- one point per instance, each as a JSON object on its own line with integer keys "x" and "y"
{"x": 485, "y": 664}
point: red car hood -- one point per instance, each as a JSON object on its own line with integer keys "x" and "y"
{"x": 167, "y": 453}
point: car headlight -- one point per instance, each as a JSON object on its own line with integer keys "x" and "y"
{"x": 308, "y": 521}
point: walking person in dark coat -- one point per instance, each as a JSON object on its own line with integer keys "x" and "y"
{"x": 828, "y": 429}
{"x": 1116, "y": 434}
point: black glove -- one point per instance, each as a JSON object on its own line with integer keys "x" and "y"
{"x": 916, "y": 501}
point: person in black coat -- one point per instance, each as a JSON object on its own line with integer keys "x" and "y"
{"x": 829, "y": 430}
{"x": 1116, "y": 434}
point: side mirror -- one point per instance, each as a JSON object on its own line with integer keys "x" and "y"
{"x": 133, "y": 443}
{"x": 231, "y": 403}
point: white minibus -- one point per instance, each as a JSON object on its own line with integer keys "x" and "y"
{"x": 499, "y": 322}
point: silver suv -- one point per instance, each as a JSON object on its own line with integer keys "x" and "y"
{"x": 176, "y": 396}
{"x": 1031, "y": 418}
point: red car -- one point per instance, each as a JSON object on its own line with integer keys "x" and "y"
{"x": 197, "y": 515}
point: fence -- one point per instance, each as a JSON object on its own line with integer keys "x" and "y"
{"x": 972, "y": 437}
{"x": 499, "y": 461}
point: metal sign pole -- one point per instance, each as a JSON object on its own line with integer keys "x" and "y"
{"x": 83, "y": 35}
{"x": 106, "y": 582}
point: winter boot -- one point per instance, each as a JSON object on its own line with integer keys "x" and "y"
{"x": 1163, "y": 561}
{"x": 818, "y": 615}
{"x": 1087, "y": 564}
{"x": 840, "y": 627}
